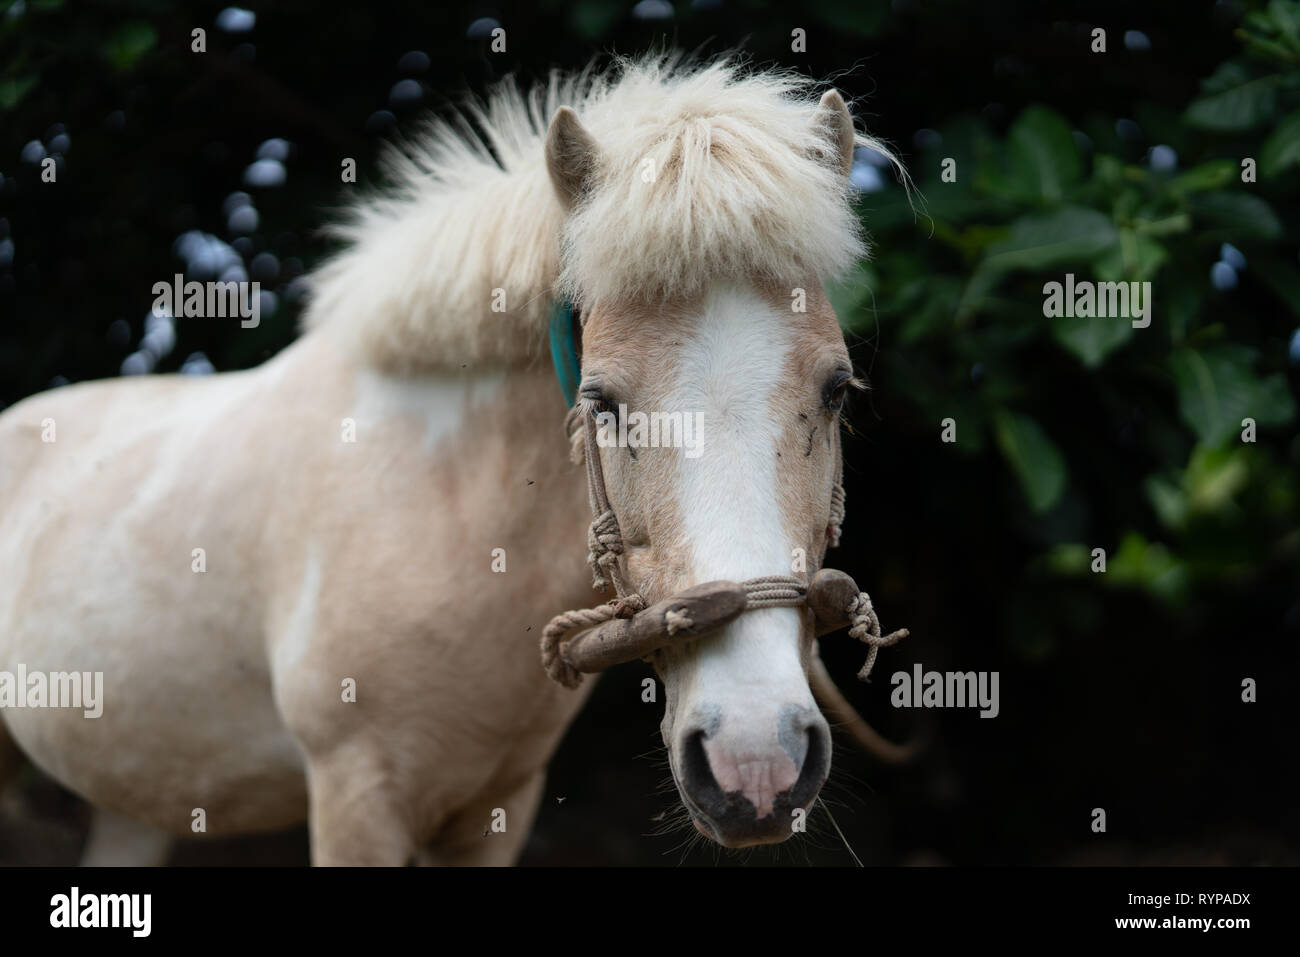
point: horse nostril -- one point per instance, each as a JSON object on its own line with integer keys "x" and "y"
{"x": 816, "y": 765}
{"x": 698, "y": 780}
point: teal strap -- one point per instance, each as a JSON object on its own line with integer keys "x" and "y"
{"x": 564, "y": 350}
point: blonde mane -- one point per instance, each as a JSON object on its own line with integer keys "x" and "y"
{"x": 706, "y": 172}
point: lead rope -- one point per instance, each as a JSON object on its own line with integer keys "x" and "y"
{"x": 866, "y": 624}
{"x": 605, "y": 545}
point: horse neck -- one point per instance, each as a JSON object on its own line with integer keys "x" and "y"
{"x": 493, "y": 442}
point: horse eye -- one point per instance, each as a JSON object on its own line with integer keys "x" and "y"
{"x": 595, "y": 400}
{"x": 836, "y": 388}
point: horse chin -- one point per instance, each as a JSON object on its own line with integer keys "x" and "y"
{"x": 754, "y": 835}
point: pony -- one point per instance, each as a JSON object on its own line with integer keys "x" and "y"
{"x": 314, "y": 588}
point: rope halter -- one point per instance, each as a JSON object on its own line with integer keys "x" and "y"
{"x": 623, "y": 629}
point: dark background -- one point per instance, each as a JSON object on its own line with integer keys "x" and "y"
{"x": 1119, "y": 690}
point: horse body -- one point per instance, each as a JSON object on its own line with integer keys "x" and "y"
{"x": 292, "y": 579}
{"x": 223, "y": 687}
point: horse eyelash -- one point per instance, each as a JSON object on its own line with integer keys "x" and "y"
{"x": 590, "y": 401}
{"x": 851, "y": 381}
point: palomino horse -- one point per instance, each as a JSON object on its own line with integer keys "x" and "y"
{"x": 315, "y": 589}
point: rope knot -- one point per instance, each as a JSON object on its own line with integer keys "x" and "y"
{"x": 604, "y": 544}
{"x": 866, "y": 629}
{"x": 837, "y": 515}
{"x": 627, "y": 605}
{"x": 564, "y": 626}
{"x": 676, "y": 621}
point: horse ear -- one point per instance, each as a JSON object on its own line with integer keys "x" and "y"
{"x": 834, "y": 124}
{"x": 571, "y": 155}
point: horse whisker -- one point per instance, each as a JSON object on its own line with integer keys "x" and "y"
{"x": 855, "y": 857}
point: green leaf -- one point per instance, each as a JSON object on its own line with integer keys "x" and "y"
{"x": 1208, "y": 484}
{"x": 1165, "y": 226}
{"x": 1092, "y": 340}
{"x": 1034, "y": 458}
{"x": 1282, "y": 148}
{"x": 1041, "y": 240}
{"x": 1235, "y": 216}
{"x": 1044, "y": 159}
{"x": 1285, "y": 15}
{"x": 1137, "y": 563}
{"x": 1168, "y": 500}
{"x": 1214, "y": 476}
{"x": 130, "y": 42}
{"x": 927, "y": 306}
{"x": 1136, "y": 258}
{"x": 1217, "y": 389}
{"x": 1273, "y": 34}
{"x": 1068, "y": 234}
{"x": 1267, "y": 49}
{"x": 1068, "y": 559}
{"x": 1237, "y": 101}
{"x": 13, "y": 90}
{"x": 1215, "y": 174}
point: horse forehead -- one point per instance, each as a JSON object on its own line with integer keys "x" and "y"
{"x": 728, "y": 330}
{"x": 739, "y": 352}
{"x": 638, "y": 337}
